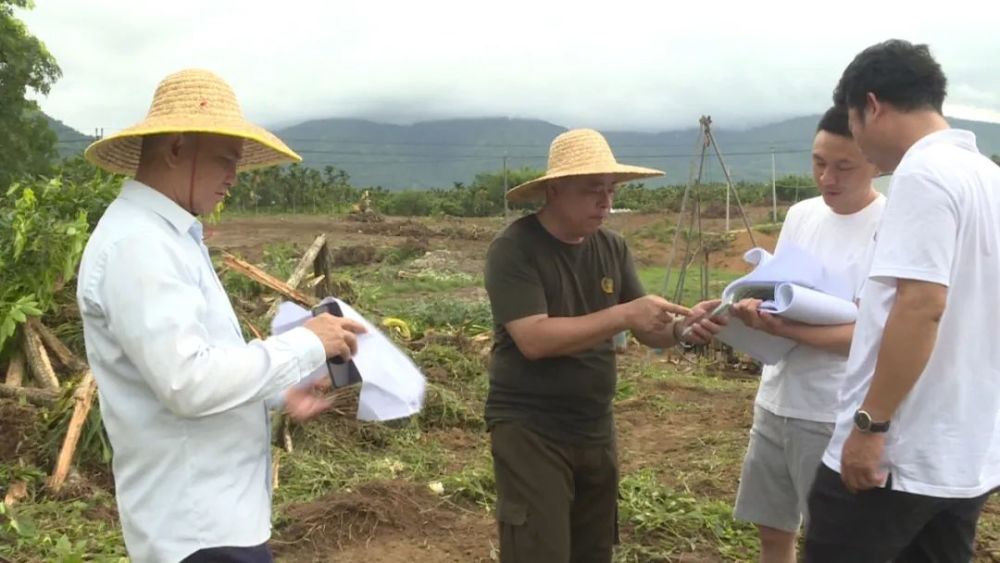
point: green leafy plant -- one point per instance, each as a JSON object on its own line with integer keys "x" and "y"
{"x": 44, "y": 225}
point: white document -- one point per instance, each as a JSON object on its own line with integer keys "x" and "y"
{"x": 794, "y": 284}
{"x": 392, "y": 386}
{"x": 791, "y": 265}
{"x": 761, "y": 346}
{"x": 809, "y": 306}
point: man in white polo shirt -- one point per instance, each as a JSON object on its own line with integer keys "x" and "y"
{"x": 916, "y": 450}
{"x": 796, "y": 404}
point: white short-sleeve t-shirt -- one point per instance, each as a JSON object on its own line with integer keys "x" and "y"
{"x": 942, "y": 225}
{"x": 805, "y": 383}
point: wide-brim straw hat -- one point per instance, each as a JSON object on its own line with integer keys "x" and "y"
{"x": 191, "y": 101}
{"x": 579, "y": 152}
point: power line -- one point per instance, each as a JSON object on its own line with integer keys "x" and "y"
{"x": 652, "y": 144}
{"x": 534, "y": 156}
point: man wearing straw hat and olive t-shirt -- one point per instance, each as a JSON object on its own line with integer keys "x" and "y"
{"x": 560, "y": 287}
{"x": 183, "y": 396}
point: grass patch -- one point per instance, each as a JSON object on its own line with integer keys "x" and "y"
{"x": 430, "y": 282}
{"x": 475, "y": 483}
{"x": 716, "y": 467}
{"x": 660, "y": 231}
{"x": 64, "y": 531}
{"x": 768, "y": 228}
{"x": 335, "y": 454}
{"x": 625, "y": 389}
{"x": 443, "y": 315}
{"x": 653, "y": 277}
{"x": 455, "y": 364}
{"x": 445, "y": 408}
{"x": 702, "y": 374}
{"x": 666, "y": 524}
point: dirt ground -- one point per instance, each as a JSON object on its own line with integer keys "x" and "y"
{"x": 247, "y": 236}
{"x": 664, "y": 426}
{"x": 383, "y": 521}
{"x": 468, "y": 239}
{"x": 17, "y": 422}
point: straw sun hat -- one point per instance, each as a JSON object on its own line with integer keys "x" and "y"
{"x": 579, "y": 152}
{"x": 191, "y": 101}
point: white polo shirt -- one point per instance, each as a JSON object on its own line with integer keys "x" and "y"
{"x": 941, "y": 225}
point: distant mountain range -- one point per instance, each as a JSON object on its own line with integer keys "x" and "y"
{"x": 70, "y": 141}
{"x": 440, "y": 153}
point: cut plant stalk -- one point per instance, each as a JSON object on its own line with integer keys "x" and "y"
{"x": 83, "y": 399}
{"x": 15, "y": 370}
{"x": 267, "y": 280}
{"x": 35, "y": 396}
{"x": 38, "y": 359}
{"x": 60, "y": 351}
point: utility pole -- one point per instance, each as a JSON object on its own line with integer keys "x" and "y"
{"x": 774, "y": 191}
{"x": 506, "y": 208}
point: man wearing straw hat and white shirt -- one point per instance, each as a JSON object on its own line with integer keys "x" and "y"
{"x": 183, "y": 396}
{"x": 560, "y": 287}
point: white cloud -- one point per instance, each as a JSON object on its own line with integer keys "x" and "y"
{"x": 625, "y": 64}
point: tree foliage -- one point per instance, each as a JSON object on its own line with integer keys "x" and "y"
{"x": 27, "y": 144}
{"x": 298, "y": 189}
{"x": 44, "y": 225}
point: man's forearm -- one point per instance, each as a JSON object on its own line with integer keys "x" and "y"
{"x": 564, "y": 336}
{"x": 907, "y": 342}
{"x": 834, "y": 338}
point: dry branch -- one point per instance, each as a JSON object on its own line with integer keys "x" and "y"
{"x": 303, "y": 267}
{"x": 275, "y": 470}
{"x": 267, "y": 280}
{"x": 83, "y": 399}
{"x": 37, "y": 397}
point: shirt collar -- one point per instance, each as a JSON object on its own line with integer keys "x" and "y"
{"x": 958, "y": 137}
{"x": 146, "y": 197}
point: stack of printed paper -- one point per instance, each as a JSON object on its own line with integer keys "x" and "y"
{"x": 793, "y": 284}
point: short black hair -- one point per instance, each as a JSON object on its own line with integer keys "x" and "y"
{"x": 896, "y": 71}
{"x": 835, "y": 121}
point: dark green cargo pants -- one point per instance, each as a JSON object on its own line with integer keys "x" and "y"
{"x": 555, "y": 503}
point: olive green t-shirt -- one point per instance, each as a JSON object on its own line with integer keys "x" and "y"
{"x": 529, "y": 272}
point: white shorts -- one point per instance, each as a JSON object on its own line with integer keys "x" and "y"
{"x": 779, "y": 468}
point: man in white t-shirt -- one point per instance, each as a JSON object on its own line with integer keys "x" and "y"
{"x": 916, "y": 450}
{"x": 796, "y": 402}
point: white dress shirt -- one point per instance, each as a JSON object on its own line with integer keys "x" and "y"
{"x": 182, "y": 394}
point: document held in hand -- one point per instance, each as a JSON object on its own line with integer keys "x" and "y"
{"x": 392, "y": 386}
{"x": 793, "y": 284}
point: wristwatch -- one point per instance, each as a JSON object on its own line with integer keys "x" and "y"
{"x": 863, "y": 422}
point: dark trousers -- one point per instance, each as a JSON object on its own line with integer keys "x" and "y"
{"x": 256, "y": 554}
{"x": 555, "y": 503}
{"x": 880, "y": 525}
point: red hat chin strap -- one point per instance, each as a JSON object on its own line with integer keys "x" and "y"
{"x": 194, "y": 167}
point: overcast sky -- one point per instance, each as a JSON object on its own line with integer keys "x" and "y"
{"x": 621, "y": 64}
